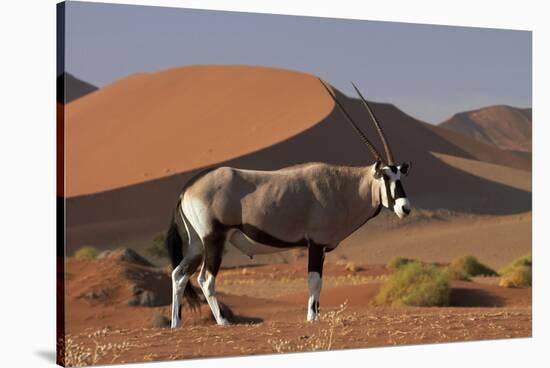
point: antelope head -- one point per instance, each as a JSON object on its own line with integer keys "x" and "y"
{"x": 385, "y": 172}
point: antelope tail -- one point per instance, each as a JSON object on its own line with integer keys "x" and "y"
{"x": 174, "y": 246}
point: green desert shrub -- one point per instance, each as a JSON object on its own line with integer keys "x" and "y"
{"x": 518, "y": 277}
{"x": 415, "y": 284}
{"x": 518, "y": 273}
{"x": 457, "y": 274}
{"x": 464, "y": 268}
{"x": 158, "y": 248}
{"x": 518, "y": 262}
{"x": 398, "y": 262}
{"x": 86, "y": 253}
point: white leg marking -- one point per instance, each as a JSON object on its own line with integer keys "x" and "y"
{"x": 207, "y": 282}
{"x": 180, "y": 277}
{"x": 314, "y": 282}
{"x": 179, "y": 281}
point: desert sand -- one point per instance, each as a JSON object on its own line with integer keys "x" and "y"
{"x": 269, "y": 307}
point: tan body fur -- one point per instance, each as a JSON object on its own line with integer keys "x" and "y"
{"x": 318, "y": 202}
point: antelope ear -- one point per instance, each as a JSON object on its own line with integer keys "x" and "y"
{"x": 405, "y": 167}
{"x": 378, "y": 169}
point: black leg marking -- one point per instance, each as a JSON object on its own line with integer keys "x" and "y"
{"x": 315, "y": 307}
{"x": 213, "y": 248}
{"x": 213, "y": 253}
{"x": 316, "y": 258}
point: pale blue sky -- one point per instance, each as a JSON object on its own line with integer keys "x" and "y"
{"x": 430, "y": 72}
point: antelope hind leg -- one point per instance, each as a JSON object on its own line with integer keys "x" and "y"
{"x": 207, "y": 282}
{"x": 316, "y": 258}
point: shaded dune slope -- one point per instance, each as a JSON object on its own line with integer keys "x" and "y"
{"x": 119, "y": 215}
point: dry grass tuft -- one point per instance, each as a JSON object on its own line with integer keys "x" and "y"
{"x": 333, "y": 324}
{"x": 73, "y": 354}
{"x": 342, "y": 260}
{"x": 352, "y": 267}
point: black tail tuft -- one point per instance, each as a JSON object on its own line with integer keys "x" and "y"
{"x": 192, "y": 297}
{"x": 174, "y": 245}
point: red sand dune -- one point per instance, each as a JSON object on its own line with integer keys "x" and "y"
{"x": 503, "y": 126}
{"x": 150, "y": 126}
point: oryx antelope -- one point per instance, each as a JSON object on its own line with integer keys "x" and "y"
{"x": 312, "y": 205}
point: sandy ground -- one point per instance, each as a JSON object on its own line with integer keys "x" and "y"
{"x": 269, "y": 306}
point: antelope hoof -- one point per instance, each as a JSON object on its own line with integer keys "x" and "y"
{"x": 223, "y": 322}
{"x": 312, "y": 317}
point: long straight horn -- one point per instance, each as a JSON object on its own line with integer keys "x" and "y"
{"x": 365, "y": 140}
{"x": 389, "y": 154}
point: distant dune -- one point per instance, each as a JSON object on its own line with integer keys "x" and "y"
{"x": 70, "y": 88}
{"x": 503, "y": 126}
{"x": 132, "y": 145}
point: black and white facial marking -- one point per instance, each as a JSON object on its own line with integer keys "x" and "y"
{"x": 392, "y": 193}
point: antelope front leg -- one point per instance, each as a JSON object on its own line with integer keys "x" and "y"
{"x": 316, "y": 258}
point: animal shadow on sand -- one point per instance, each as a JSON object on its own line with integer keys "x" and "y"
{"x": 237, "y": 319}
{"x": 466, "y": 297}
{"x": 228, "y": 313}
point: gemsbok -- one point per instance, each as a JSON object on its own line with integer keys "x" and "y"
{"x": 312, "y": 205}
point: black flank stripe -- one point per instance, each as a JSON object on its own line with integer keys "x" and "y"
{"x": 262, "y": 237}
